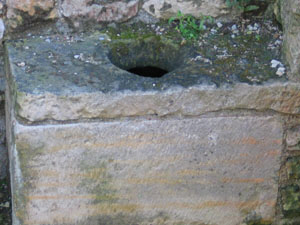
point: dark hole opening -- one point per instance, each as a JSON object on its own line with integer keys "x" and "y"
{"x": 148, "y": 71}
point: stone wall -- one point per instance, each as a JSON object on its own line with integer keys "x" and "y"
{"x": 90, "y": 143}
{"x": 19, "y": 13}
{"x": 261, "y": 164}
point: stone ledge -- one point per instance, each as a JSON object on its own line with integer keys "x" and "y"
{"x": 56, "y": 78}
{"x": 194, "y": 101}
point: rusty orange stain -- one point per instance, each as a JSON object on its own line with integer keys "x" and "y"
{"x": 247, "y": 141}
{"x": 243, "y": 180}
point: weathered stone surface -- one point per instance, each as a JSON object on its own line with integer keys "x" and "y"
{"x": 293, "y": 138}
{"x": 100, "y": 11}
{"x": 24, "y": 12}
{"x": 290, "y": 15}
{"x": 167, "y": 8}
{"x": 59, "y": 80}
{"x": 178, "y": 101}
{"x": 171, "y": 171}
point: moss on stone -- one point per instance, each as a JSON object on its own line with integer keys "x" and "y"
{"x": 291, "y": 200}
{"x": 260, "y": 222}
{"x": 293, "y": 168}
{"x": 98, "y": 182}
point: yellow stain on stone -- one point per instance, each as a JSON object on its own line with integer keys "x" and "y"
{"x": 243, "y": 180}
{"x": 103, "y": 209}
{"x": 85, "y": 211}
{"x": 134, "y": 141}
{"x": 154, "y": 181}
{"x": 66, "y": 197}
{"x": 190, "y": 172}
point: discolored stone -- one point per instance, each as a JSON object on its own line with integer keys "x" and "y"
{"x": 93, "y": 81}
{"x": 91, "y": 143}
{"x": 293, "y": 138}
{"x": 167, "y": 8}
{"x": 144, "y": 171}
{"x": 102, "y": 11}
{"x": 25, "y": 12}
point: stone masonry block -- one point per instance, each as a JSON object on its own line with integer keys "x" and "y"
{"x": 171, "y": 171}
{"x": 293, "y": 138}
{"x": 24, "y": 12}
{"x": 92, "y": 143}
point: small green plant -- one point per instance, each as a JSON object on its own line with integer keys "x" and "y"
{"x": 188, "y": 26}
{"x": 242, "y": 5}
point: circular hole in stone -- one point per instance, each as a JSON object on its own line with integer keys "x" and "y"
{"x": 150, "y": 57}
{"x": 148, "y": 71}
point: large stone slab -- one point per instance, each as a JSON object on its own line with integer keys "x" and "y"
{"x": 54, "y": 78}
{"x": 215, "y": 171}
{"x": 91, "y": 143}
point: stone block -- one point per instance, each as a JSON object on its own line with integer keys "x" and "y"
{"x": 99, "y": 11}
{"x": 24, "y": 12}
{"x": 170, "y": 171}
{"x": 92, "y": 143}
{"x": 167, "y": 8}
{"x": 93, "y": 84}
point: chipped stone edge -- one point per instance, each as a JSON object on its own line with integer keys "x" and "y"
{"x": 193, "y": 101}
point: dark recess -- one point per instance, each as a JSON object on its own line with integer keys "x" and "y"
{"x": 148, "y": 71}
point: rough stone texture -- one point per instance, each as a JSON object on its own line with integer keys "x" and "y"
{"x": 283, "y": 98}
{"x": 24, "y": 12}
{"x": 89, "y": 85}
{"x": 293, "y": 138}
{"x": 167, "y": 8}
{"x": 171, "y": 171}
{"x": 99, "y": 11}
{"x": 148, "y": 156}
{"x": 290, "y": 15}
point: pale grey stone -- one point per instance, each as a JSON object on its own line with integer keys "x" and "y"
{"x": 193, "y": 101}
{"x": 167, "y": 8}
{"x": 290, "y": 16}
{"x": 136, "y": 171}
{"x": 293, "y": 138}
